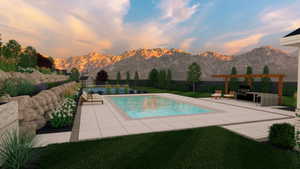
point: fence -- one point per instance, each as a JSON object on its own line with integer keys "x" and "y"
{"x": 289, "y": 88}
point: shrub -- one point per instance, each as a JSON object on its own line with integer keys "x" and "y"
{"x": 117, "y": 90}
{"x": 108, "y": 90}
{"x": 16, "y": 150}
{"x": 25, "y": 70}
{"x": 282, "y": 135}
{"x": 18, "y": 86}
{"x": 45, "y": 70}
{"x": 74, "y": 74}
{"x": 8, "y": 65}
{"x": 126, "y": 91}
{"x": 63, "y": 115}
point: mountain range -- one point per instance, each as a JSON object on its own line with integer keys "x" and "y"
{"x": 143, "y": 60}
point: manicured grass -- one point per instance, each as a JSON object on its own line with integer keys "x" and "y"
{"x": 189, "y": 94}
{"x": 203, "y": 148}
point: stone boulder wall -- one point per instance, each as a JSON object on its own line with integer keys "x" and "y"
{"x": 34, "y": 77}
{"x": 35, "y": 111}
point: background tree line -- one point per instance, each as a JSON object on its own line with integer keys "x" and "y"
{"x": 13, "y": 56}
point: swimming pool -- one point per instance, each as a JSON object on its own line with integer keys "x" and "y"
{"x": 137, "y": 107}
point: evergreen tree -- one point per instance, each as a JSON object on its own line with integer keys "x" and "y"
{"x": 163, "y": 79}
{"x": 153, "y": 77}
{"x": 194, "y": 74}
{"x": 249, "y": 72}
{"x": 1, "y": 45}
{"x": 128, "y": 77}
{"x": 169, "y": 79}
{"x": 11, "y": 49}
{"x": 118, "y": 77}
{"x": 28, "y": 58}
{"x": 266, "y": 82}
{"x": 233, "y": 83}
{"x": 136, "y": 78}
{"x": 74, "y": 74}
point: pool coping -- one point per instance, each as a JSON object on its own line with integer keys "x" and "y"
{"x": 127, "y": 117}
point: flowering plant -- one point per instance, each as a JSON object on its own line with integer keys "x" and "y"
{"x": 26, "y": 70}
{"x": 64, "y": 114}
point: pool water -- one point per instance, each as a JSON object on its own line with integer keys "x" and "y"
{"x": 154, "y": 106}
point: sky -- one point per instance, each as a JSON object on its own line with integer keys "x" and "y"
{"x": 63, "y": 28}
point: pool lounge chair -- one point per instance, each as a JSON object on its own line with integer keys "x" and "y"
{"x": 91, "y": 98}
{"x": 217, "y": 94}
{"x": 231, "y": 94}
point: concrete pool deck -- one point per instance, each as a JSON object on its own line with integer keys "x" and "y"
{"x": 102, "y": 121}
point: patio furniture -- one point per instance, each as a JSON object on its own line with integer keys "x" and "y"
{"x": 217, "y": 94}
{"x": 90, "y": 98}
{"x": 231, "y": 94}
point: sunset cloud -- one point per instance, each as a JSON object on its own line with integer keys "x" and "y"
{"x": 177, "y": 10}
{"x": 77, "y": 27}
{"x": 235, "y": 46}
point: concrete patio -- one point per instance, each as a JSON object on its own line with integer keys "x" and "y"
{"x": 102, "y": 121}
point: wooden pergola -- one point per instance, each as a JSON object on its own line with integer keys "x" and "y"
{"x": 251, "y": 76}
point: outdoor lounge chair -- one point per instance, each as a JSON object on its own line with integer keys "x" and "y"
{"x": 217, "y": 94}
{"x": 91, "y": 98}
{"x": 231, "y": 94}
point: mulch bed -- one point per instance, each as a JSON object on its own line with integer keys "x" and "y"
{"x": 49, "y": 129}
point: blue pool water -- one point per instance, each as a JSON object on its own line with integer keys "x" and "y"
{"x": 154, "y": 106}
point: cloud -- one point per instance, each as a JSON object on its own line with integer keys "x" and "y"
{"x": 271, "y": 21}
{"x": 235, "y": 46}
{"x": 186, "y": 43}
{"x": 177, "y": 10}
{"x": 76, "y": 27}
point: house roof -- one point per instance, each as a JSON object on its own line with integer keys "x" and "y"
{"x": 296, "y": 32}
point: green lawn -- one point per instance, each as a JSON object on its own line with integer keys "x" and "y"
{"x": 189, "y": 94}
{"x": 203, "y": 148}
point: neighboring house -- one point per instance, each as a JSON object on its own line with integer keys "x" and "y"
{"x": 293, "y": 40}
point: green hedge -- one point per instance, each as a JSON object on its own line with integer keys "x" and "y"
{"x": 282, "y": 135}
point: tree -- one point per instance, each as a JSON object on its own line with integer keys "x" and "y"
{"x": 11, "y": 49}
{"x": 1, "y": 45}
{"x": 118, "y": 77}
{"x": 249, "y": 72}
{"x": 162, "y": 79}
{"x": 128, "y": 77}
{"x": 101, "y": 77}
{"x": 233, "y": 83}
{"x": 153, "y": 77}
{"x": 136, "y": 78}
{"x": 28, "y": 58}
{"x": 169, "y": 79}
{"x": 74, "y": 74}
{"x": 266, "y": 81}
{"x": 193, "y": 74}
